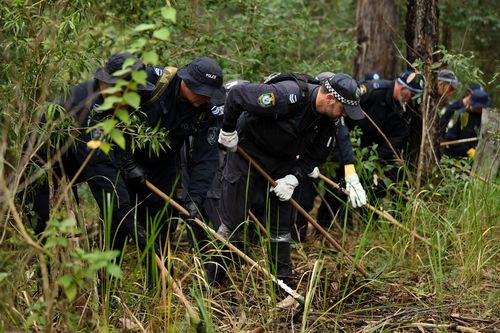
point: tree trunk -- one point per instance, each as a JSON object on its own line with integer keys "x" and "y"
{"x": 487, "y": 159}
{"x": 377, "y": 27}
{"x": 422, "y": 36}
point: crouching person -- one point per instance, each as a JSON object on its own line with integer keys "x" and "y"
{"x": 286, "y": 126}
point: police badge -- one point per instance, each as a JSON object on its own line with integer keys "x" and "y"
{"x": 266, "y": 100}
{"x": 212, "y": 135}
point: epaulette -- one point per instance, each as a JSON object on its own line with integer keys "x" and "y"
{"x": 367, "y": 86}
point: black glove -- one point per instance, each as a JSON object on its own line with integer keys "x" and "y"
{"x": 134, "y": 174}
{"x": 196, "y": 234}
{"x": 192, "y": 208}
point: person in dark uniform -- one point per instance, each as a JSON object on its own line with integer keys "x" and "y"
{"x": 447, "y": 83}
{"x": 211, "y": 205}
{"x": 101, "y": 171}
{"x": 372, "y": 76}
{"x": 188, "y": 109}
{"x": 342, "y": 153}
{"x": 286, "y": 127}
{"x": 467, "y": 124}
{"x": 446, "y": 120}
{"x": 387, "y": 105}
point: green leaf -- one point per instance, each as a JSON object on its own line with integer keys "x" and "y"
{"x": 109, "y": 102}
{"x": 68, "y": 223}
{"x": 3, "y": 276}
{"x": 168, "y": 13}
{"x": 162, "y": 34}
{"x": 105, "y": 147}
{"x": 123, "y": 116}
{"x": 144, "y": 26}
{"x": 114, "y": 270}
{"x": 71, "y": 291}
{"x": 139, "y": 77}
{"x": 128, "y": 62}
{"x": 150, "y": 57}
{"x": 122, "y": 71}
{"x": 132, "y": 98}
{"x": 117, "y": 136}
{"x": 65, "y": 281}
{"x": 139, "y": 43}
{"x": 108, "y": 125}
{"x": 112, "y": 90}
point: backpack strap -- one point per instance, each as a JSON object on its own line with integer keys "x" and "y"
{"x": 161, "y": 85}
{"x": 301, "y": 79}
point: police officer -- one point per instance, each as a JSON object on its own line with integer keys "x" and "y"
{"x": 467, "y": 124}
{"x": 188, "y": 109}
{"x": 99, "y": 170}
{"x": 446, "y": 121}
{"x": 279, "y": 121}
{"x": 342, "y": 153}
{"x": 447, "y": 83}
{"x": 386, "y": 104}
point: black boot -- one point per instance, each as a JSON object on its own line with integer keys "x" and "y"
{"x": 281, "y": 265}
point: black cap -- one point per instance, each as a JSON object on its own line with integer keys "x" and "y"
{"x": 204, "y": 77}
{"x": 323, "y": 76}
{"x": 114, "y": 64}
{"x": 346, "y": 91}
{"x": 449, "y": 77}
{"x": 474, "y": 86}
{"x": 412, "y": 81}
{"x": 480, "y": 99}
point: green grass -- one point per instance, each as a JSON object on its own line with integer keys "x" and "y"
{"x": 457, "y": 278}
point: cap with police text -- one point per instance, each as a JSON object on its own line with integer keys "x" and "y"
{"x": 346, "y": 91}
{"x": 114, "y": 64}
{"x": 479, "y": 99}
{"x": 204, "y": 77}
{"x": 448, "y": 76}
{"x": 412, "y": 81}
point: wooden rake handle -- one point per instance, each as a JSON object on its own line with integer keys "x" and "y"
{"x": 383, "y": 214}
{"x": 309, "y": 218}
{"x": 224, "y": 241}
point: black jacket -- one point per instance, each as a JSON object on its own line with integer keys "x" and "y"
{"x": 279, "y": 128}
{"x": 183, "y": 120}
{"x": 447, "y": 115}
{"x": 467, "y": 124}
{"x": 378, "y": 103}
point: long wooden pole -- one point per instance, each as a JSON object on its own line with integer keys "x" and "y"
{"x": 383, "y": 214}
{"x": 301, "y": 210}
{"x": 456, "y": 142}
{"x": 299, "y": 298}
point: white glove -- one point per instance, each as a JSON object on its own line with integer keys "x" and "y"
{"x": 285, "y": 186}
{"x": 314, "y": 174}
{"x": 229, "y": 140}
{"x": 357, "y": 195}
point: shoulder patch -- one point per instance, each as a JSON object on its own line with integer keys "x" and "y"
{"x": 158, "y": 71}
{"x": 217, "y": 110}
{"x": 362, "y": 89}
{"x": 267, "y": 100}
{"x": 293, "y": 98}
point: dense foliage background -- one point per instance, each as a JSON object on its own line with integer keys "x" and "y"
{"x": 46, "y": 46}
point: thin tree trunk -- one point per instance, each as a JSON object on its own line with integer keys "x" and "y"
{"x": 422, "y": 36}
{"x": 377, "y": 27}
